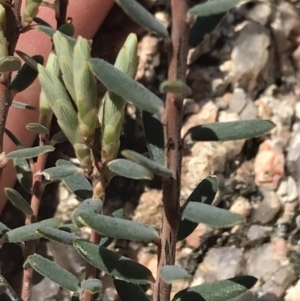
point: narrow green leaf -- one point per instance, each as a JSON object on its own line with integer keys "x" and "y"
{"x": 141, "y": 16}
{"x": 112, "y": 263}
{"x": 37, "y": 128}
{"x": 93, "y": 286}
{"x": 28, "y": 232}
{"x": 205, "y": 193}
{"x": 13, "y": 138}
{"x": 114, "y": 105}
{"x": 64, "y": 51}
{"x": 129, "y": 169}
{"x": 210, "y": 215}
{"x": 49, "y": 31}
{"x": 60, "y": 103}
{"x": 27, "y": 74}
{"x": 9, "y": 64}
{"x": 24, "y": 173}
{"x": 126, "y": 290}
{"x": 54, "y": 272}
{"x": 173, "y": 273}
{"x": 79, "y": 184}
{"x": 175, "y": 86}
{"x": 120, "y": 213}
{"x": 105, "y": 241}
{"x": 203, "y": 26}
{"x": 214, "y": 7}
{"x": 60, "y": 172}
{"x": 22, "y": 105}
{"x": 151, "y": 165}
{"x": 59, "y": 137}
{"x": 217, "y": 291}
{"x": 85, "y": 89}
{"x": 18, "y": 201}
{"x": 119, "y": 227}
{"x": 56, "y": 235}
{"x": 87, "y": 206}
{"x": 9, "y": 290}
{"x": 30, "y": 61}
{"x": 2, "y": 288}
{"x": 70, "y": 228}
{"x": 233, "y": 130}
{"x": 40, "y": 21}
{"x": 154, "y": 136}
{"x": 3, "y": 229}
{"x": 68, "y": 29}
{"x": 28, "y": 153}
{"x": 124, "y": 86}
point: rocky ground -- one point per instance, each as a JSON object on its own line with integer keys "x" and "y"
{"x": 248, "y": 68}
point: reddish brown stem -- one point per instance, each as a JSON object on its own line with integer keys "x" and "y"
{"x": 91, "y": 271}
{"x": 62, "y": 18}
{"x": 30, "y": 248}
{"x": 13, "y": 25}
{"x": 173, "y": 152}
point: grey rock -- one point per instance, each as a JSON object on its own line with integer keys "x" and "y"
{"x": 279, "y": 281}
{"x": 287, "y": 190}
{"x": 221, "y": 263}
{"x": 256, "y": 232}
{"x": 260, "y": 262}
{"x": 249, "y": 55}
{"x": 268, "y": 208}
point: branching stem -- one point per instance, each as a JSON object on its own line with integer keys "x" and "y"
{"x": 173, "y": 150}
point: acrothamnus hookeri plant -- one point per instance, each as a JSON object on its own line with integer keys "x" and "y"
{"x": 69, "y": 91}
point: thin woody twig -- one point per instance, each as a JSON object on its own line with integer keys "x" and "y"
{"x": 13, "y": 25}
{"x": 62, "y": 18}
{"x": 173, "y": 153}
{"x": 30, "y": 248}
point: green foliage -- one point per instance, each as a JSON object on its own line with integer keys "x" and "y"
{"x": 53, "y": 271}
{"x": 124, "y": 86}
{"x": 129, "y": 169}
{"x": 27, "y": 74}
{"x": 89, "y": 206}
{"x": 140, "y": 15}
{"x": 60, "y": 172}
{"x": 92, "y": 285}
{"x": 217, "y": 291}
{"x": 69, "y": 91}
{"x": 233, "y": 130}
{"x": 154, "y": 134}
{"x": 18, "y": 201}
{"x": 114, "y": 105}
{"x": 3, "y": 229}
{"x": 214, "y": 7}
{"x": 151, "y": 165}
{"x": 77, "y": 183}
{"x": 126, "y": 290}
{"x": 28, "y": 153}
{"x": 205, "y": 193}
{"x": 9, "y": 64}
{"x": 173, "y": 273}
{"x": 210, "y": 215}
{"x": 118, "y": 227}
{"x": 28, "y": 232}
{"x": 112, "y": 263}
{"x": 24, "y": 173}
{"x": 37, "y": 128}
{"x": 175, "y": 86}
{"x": 57, "y": 235}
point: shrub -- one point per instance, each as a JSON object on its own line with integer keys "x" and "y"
{"x": 69, "y": 91}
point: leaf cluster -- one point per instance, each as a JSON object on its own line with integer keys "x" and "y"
{"x": 69, "y": 91}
